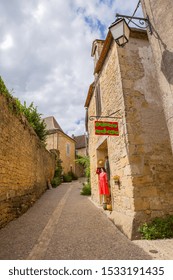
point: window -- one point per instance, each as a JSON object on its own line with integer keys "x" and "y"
{"x": 96, "y": 57}
{"x": 67, "y": 149}
{"x": 98, "y": 101}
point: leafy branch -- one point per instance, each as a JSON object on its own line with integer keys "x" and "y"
{"x": 31, "y": 113}
{"x": 85, "y": 162}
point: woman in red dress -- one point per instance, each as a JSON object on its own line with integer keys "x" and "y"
{"x": 103, "y": 181}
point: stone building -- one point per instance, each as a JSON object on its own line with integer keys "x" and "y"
{"x": 81, "y": 150}
{"x": 60, "y": 141}
{"x": 161, "y": 42}
{"x": 126, "y": 88}
{"x": 26, "y": 166}
{"x": 81, "y": 145}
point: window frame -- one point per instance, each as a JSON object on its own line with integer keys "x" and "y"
{"x": 98, "y": 101}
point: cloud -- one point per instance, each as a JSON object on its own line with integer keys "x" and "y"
{"x": 7, "y": 42}
{"x": 45, "y": 52}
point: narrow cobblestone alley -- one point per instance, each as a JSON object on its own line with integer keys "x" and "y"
{"x": 62, "y": 224}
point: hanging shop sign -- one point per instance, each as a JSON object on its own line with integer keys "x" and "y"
{"x": 106, "y": 128}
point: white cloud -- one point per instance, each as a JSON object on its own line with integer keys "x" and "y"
{"x": 45, "y": 52}
{"x": 7, "y": 42}
{"x": 39, "y": 12}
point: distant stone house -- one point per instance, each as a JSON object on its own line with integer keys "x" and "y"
{"x": 81, "y": 145}
{"x": 125, "y": 90}
{"x": 57, "y": 139}
{"x": 81, "y": 150}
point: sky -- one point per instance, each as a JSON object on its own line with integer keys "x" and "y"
{"x": 45, "y": 52}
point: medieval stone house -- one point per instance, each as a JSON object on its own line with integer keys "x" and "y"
{"x": 161, "y": 42}
{"x": 81, "y": 150}
{"x": 60, "y": 141}
{"x": 126, "y": 88}
{"x": 81, "y": 145}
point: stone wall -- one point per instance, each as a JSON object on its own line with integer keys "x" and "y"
{"x": 115, "y": 147}
{"x": 148, "y": 146}
{"x": 141, "y": 155}
{"x": 59, "y": 140}
{"x": 161, "y": 42}
{"x": 25, "y": 165}
{"x": 68, "y": 159}
{"x": 111, "y": 100}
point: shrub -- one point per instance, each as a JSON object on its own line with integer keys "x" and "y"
{"x": 58, "y": 170}
{"x": 34, "y": 119}
{"x": 56, "y": 181}
{"x": 73, "y": 175}
{"x": 31, "y": 114}
{"x": 4, "y": 90}
{"x": 86, "y": 190}
{"x": 85, "y": 161}
{"x": 159, "y": 228}
{"x": 67, "y": 177}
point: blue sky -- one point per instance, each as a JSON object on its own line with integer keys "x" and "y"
{"x": 45, "y": 52}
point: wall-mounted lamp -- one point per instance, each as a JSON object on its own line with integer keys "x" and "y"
{"x": 121, "y": 31}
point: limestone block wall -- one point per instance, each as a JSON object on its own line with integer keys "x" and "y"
{"x": 52, "y": 141}
{"x": 25, "y": 165}
{"x": 67, "y": 154}
{"x": 81, "y": 152}
{"x": 100, "y": 146}
{"x": 148, "y": 147}
{"x": 141, "y": 155}
{"x": 112, "y": 100}
{"x": 59, "y": 140}
{"x": 162, "y": 47}
{"x": 92, "y": 152}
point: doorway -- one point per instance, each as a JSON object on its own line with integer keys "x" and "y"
{"x": 103, "y": 162}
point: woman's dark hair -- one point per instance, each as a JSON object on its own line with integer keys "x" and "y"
{"x": 103, "y": 169}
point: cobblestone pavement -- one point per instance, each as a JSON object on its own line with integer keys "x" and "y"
{"x": 62, "y": 224}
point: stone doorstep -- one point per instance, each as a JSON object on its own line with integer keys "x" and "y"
{"x": 99, "y": 206}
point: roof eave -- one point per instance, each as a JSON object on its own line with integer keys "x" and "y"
{"x": 89, "y": 95}
{"x": 104, "y": 52}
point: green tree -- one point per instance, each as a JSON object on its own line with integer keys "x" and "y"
{"x": 35, "y": 120}
{"x": 56, "y": 181}
{"x": 85, "y": 161}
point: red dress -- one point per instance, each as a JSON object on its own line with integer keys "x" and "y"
{"x": 103, "y": 184}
